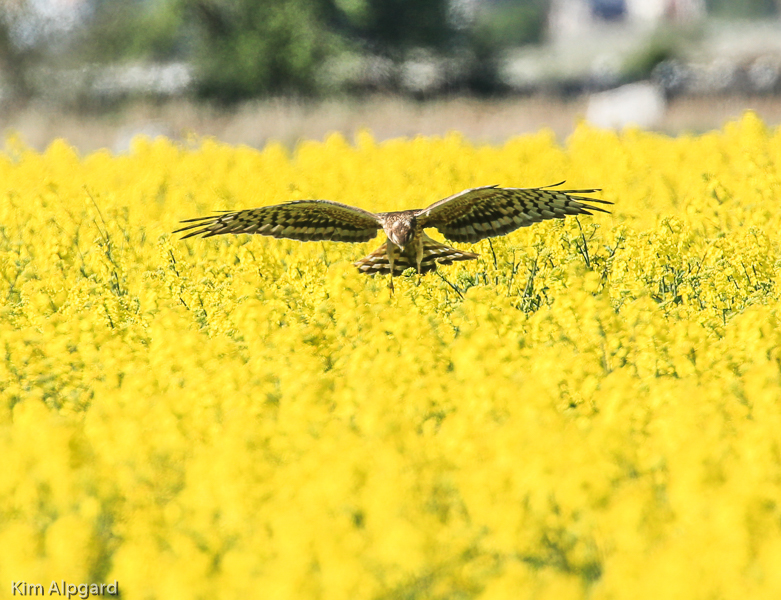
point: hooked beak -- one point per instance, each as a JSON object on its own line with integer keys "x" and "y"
{"x": 396, "y": 243}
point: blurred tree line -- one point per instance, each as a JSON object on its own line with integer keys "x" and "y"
{"x": 239, "y": 49}
{"x": 246, "y": 48}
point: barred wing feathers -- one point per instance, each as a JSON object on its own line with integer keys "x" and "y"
{"x": 305, "y": 220}
{"x": 479, "y": 213}
{"x": 434, "y": 254}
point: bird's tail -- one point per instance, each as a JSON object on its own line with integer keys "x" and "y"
{"x": 434, "y": 254}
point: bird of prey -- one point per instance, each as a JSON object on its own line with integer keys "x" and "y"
{"x": 468, "y": 216}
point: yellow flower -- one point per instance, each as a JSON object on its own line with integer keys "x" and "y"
{"x": 590, "y": 410}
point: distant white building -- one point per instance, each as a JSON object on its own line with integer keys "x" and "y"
{"x": 573, "y": 17}
{"x": 656, "y": 11}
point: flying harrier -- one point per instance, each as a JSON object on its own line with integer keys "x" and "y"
{"x": 469, "y": 216}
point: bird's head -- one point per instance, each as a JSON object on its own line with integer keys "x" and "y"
{"x": 401, "y": 231}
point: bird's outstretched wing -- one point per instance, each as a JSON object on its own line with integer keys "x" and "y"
{"x": 305, "y": 220}
{"x": 476, "y": 214}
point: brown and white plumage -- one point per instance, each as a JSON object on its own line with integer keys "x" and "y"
{"x": 434, "y": 254}
{"x": 469, "y": 216}
{"x": 490, "y": 211}
{"x": 305, "y": 220}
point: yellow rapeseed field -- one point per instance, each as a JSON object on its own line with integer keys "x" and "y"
{"x": 591, "y": 410}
